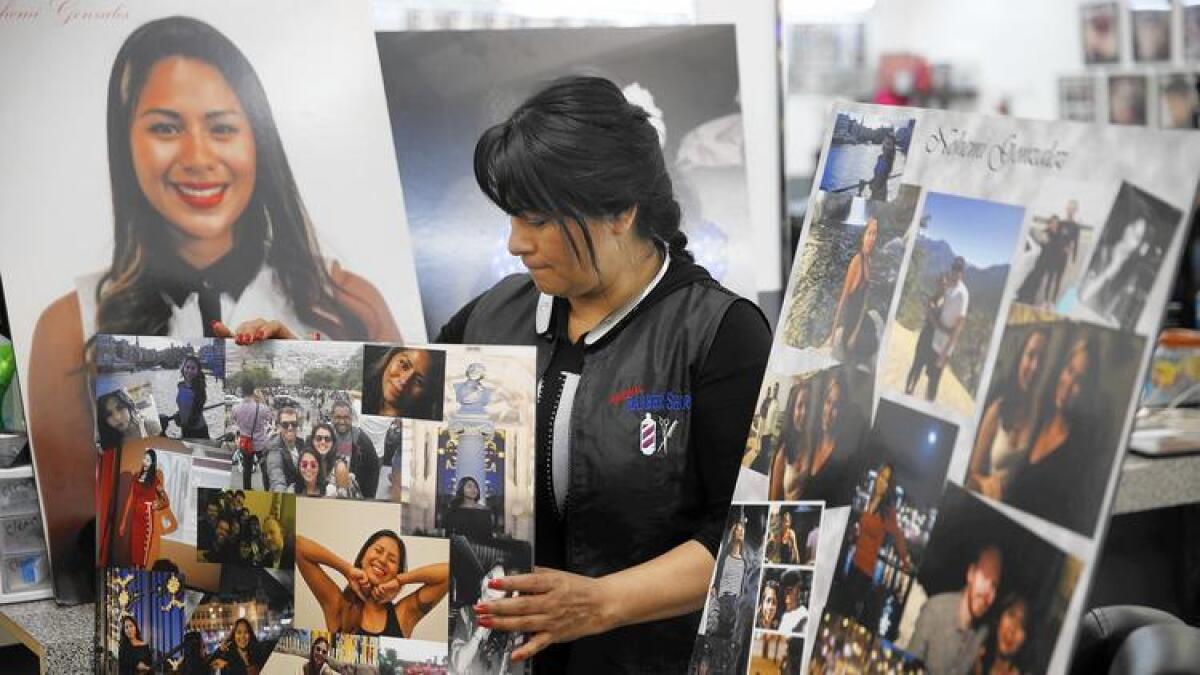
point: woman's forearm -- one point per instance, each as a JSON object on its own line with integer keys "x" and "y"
{"x": 435, "y": 573}
{"x": 310, "y": 551}
{"x": 672, "y": 584}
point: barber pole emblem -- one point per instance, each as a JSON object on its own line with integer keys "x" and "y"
{"x": 649, "y": 436}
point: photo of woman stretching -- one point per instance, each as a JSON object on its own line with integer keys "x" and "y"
{"x": 152, "y": 516}
{"x": 791, "y": 459}
{"x": 853, "y": 337}
{"x": 1006, "y": 429}
{"x": 375, "y": 578}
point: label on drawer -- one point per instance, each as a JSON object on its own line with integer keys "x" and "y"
{"x": 20, "y": 534}
{"x": 18, "y": 495}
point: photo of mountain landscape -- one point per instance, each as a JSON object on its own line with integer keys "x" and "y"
{"x": 937, "y": 347}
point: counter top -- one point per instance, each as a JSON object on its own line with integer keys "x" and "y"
{"x": 62, "y": 637}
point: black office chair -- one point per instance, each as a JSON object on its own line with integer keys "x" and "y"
{"x": 1134, "y": 640}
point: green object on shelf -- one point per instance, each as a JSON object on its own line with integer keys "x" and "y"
{"x": 8, "y": 368}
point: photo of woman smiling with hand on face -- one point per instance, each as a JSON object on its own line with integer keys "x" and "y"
{"x": 355, "y": 578}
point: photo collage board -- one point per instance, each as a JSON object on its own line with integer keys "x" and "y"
{"x": 309, "y": 502}
{"x": 968, "y": 321}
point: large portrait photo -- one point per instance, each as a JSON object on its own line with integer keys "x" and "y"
{"x": 444, "y": 88}
{"x": 209, "y": 184}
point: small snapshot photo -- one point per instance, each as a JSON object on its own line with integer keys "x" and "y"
{"x": 823, "y": 424}
{"x": 1101, "y": 25}
{"x": 774, "y": 654}
{"x": 403, "y": 382}
{"x": 867, "y": 155}
{"x": 164, "y": 386}
{"x": 1126, "y": 261}
{"x": 125, "y": 414}
{"x": 893, "y": 514}
{"x": 783, "y": 600}
{"x": 1179, "y": 99}
{"x": 290, "y": 396}
{"x": 1054, "y": 413}
{"x": 937, "y": 347}
{"x": 318, "y": 651}
{"x": 413, "y": 656}
{"x": 1129, "y": 99}
{"x": 144, "y": 620}
{"x": 474, "y": 648}
{"x": 1150, "y": 23}
{"x": 236, "y": 630}
{"x": 1013, "y": 585}
{"x": 152, "y": 490}
{"x": 1062, "y": 224}
{"x": 843, "y": 645}
{"x": 793, "y": 532}
{"x": 843, "y": 287}
{"x": 249, "y": 528}
{"x": 727, "y": 620}
{"x": 357, "y": 575}
{"x": 1077, "y": 98}
{"x": 1191, "y": 31}
{"x": 472, "y": 473}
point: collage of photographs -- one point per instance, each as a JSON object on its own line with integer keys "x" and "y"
{"x": 349, "y": 501}
{"x": 757, "y": 613}
{"x": 1144, "y": 60}
{"x": 981, "y": 399}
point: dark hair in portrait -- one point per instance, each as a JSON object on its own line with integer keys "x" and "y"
{"x": 110, "y": 437}
{"x": 578, "y": 150}
{"x": 273, "y": 230}
{"x": 352, "y": 606}
{"x": 147, "y": 475}
{"x": 420, "y": 400}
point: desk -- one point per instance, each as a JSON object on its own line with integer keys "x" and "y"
{"x": 1157, "y": 482}
{"x": 61, "y": 637}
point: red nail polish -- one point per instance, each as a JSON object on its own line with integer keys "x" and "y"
{"x": 495, "y": 584}
{"x": 481, "y": 609}
{"x": 316, "y": 336}
{"x": 486, "y": 621}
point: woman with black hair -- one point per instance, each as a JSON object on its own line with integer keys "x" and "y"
{"x": 208, "y": 223}
{"x": 118, "y": 420}
{"x": 786, "y": 479}
{"x": 194, "y": 662}
{"x": 827, "y": 469}
{"x": 404, "y": 383}
{"x": 146, "y": 500}
{"x": 240, "y": 653}
{"x": 468, "y": 515}
{"x": 614, "y": 303}
{"x": 1063, "y": 448}
{"x": 1005, "y": 649}
{"x": 321, "y": 441}
{"x": 768, "y": 606}
{"x": 311, "y": 469}
{"x": 876, "y": 522}
{"x": 1111, "y": 284}
{"x": 378, "y": 575}
{"x": 1007, "y": 425}
{"x": 190, "y": 397}
{"x": 133, "y": 653}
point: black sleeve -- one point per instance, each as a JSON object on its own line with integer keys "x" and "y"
{"x": 455, "y": 329}
{"x": 723, "y": 403}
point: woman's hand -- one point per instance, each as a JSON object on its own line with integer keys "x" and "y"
{"x": 386, "y": 592}
{"x": 257, "y": 330}
{"x": 553, "y": 606}
{"x": 359, "y": 584}
{"x": 366, "y": 302}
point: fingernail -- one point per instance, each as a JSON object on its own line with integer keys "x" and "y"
{"x": 214, "y": 323}
{"x": 316, "y": 336}
{"x": 481, "y": 608}
{"x": 495, "y": 584}
{"x": 486, "y": 621}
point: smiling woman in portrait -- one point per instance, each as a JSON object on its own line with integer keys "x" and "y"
{"x": 209, "y": 225}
